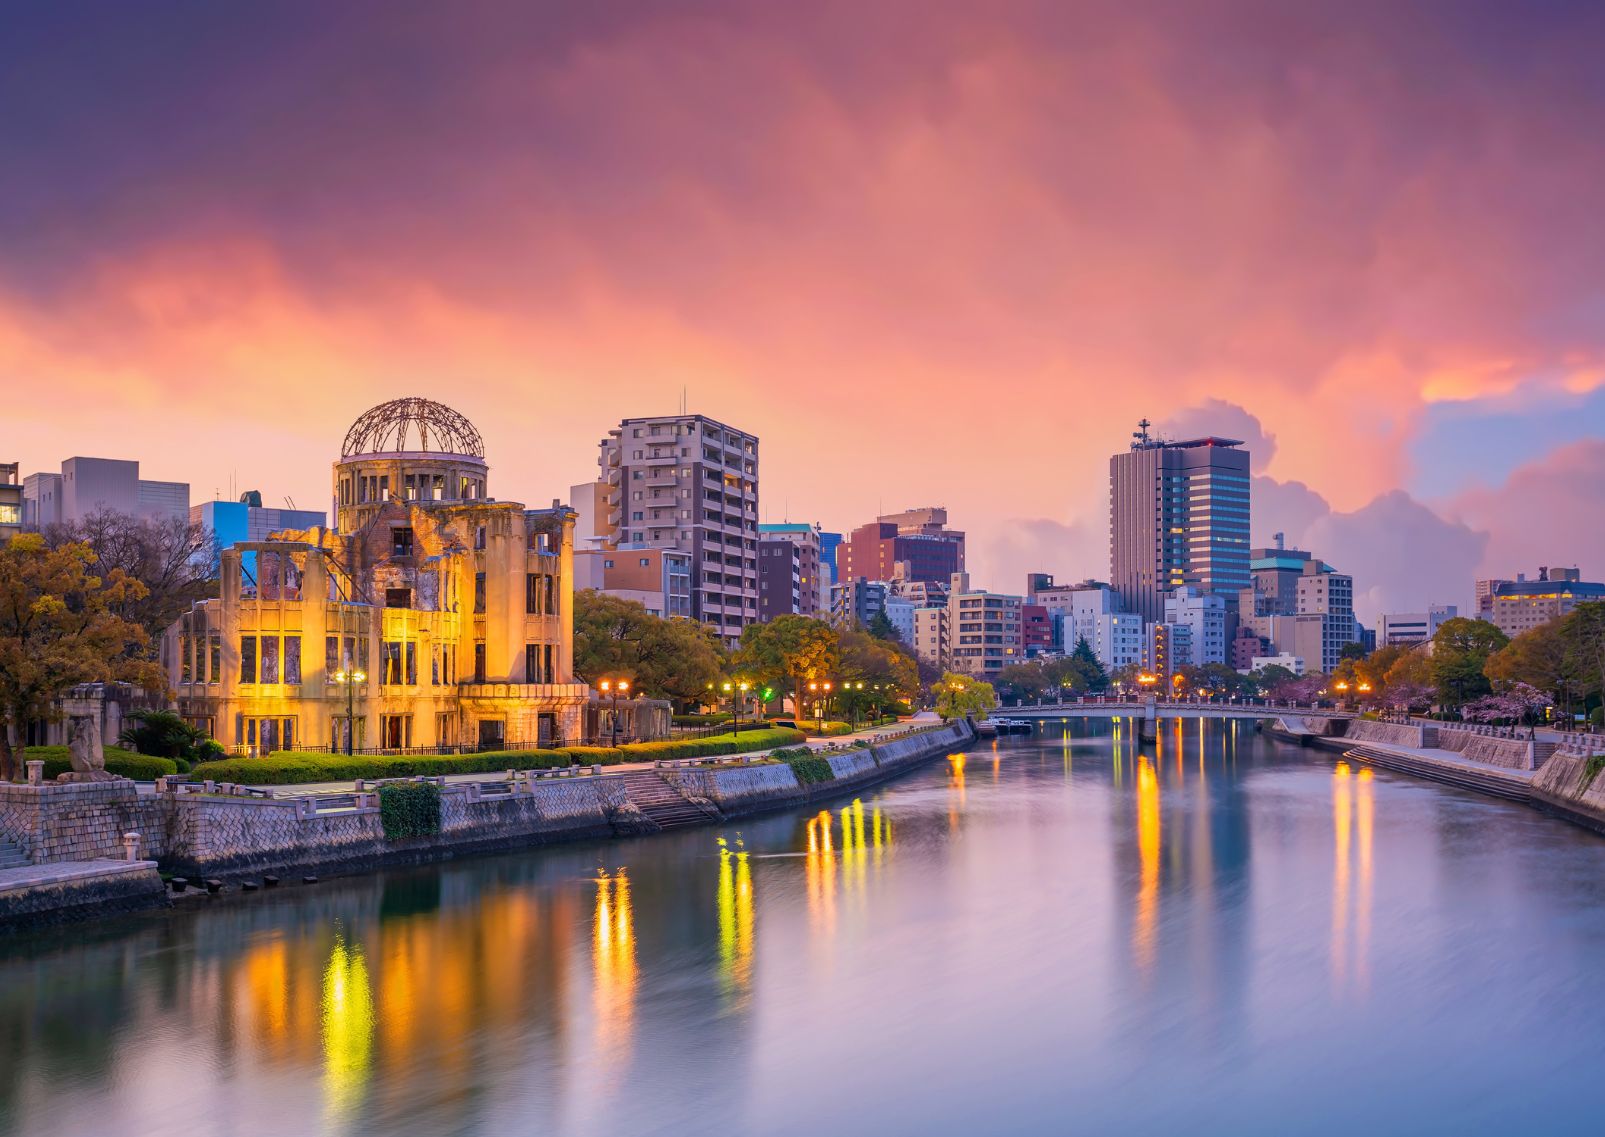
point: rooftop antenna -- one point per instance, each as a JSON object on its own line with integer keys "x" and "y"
{"x": 1141, "y": 434}
{"x": 685, "y": 400}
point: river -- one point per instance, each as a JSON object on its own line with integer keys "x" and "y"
{"x": 1058, "y": 934}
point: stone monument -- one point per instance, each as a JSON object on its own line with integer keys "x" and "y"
{"x": 86, "y": 751}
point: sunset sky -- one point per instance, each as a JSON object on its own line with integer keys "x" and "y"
{"x": 930, "y": 252}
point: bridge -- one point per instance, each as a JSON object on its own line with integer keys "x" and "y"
{"x": 1294, "y": 718}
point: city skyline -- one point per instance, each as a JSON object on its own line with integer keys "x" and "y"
{"x": 550, "y": 246}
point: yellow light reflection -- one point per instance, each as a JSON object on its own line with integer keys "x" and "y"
{"x": 955, "y": 783}
{"x": 1148, "y": 847}
{"x": 347, "y": 1033}
{"x": 613, "y": 961}
{"x": 1364, "y": 828}
{"x": 1342, "y": 814}
{"x": 819, "y": 871}
{"x": 735, "y": 923}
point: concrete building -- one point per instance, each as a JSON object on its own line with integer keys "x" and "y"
{"x": 10, "y": 502}
{"x": 1167, "y": 648}
{"x": 1516, "y": 606}
{"x": 1204, "y": 616}
{"x": 930, "y": 636}
{"x": 1093, "y": 613}
{"x": 914, "y": 545}
{"x": 829, "y": 547}
{"x": 1411, "y": 628}
{"x": 1299, "y": 605}
{"x": 94, "y": 485}
{"x": 855, "y": 602}
{"x": 1246, "y": 646}
{"x": 1178, "y": 516}
{"x": 1293, "y": 663}
{"x": 456, "y": 610}
{"x": 780, "y": 573}
{"x": 984, "y": 631}
{"x": 900, "y": 614}
{"x": 232, "y": 522}
{"x": 811, "y": 591}
{"x": 1036, "y": 631}
{"x": 690, "y": 484}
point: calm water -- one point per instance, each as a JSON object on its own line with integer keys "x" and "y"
{"x": 1053, "y": 935}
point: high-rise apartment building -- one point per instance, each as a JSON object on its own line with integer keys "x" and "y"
{"x": 914, "y": 545}
{"x": 983, "y": 629}
{"x": 93, "y": 485}
{"x": 1178, "y": 516}
{"x": 688, "y": 483}
{"x": 1204, "y": 615}
{"x": 811, "y": 591}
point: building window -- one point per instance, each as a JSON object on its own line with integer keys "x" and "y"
{"x": 532, "y": 665}
{"x": 398, "y": 598}
{"x": 395, "y": 731}
{"x": 479, "y": 661}
{"x": 247, "y": 659}
{"x": 401, "y": 538}
{"x": 479, "y": 592}
{"x": 292, "y": 659}
{"x": 214, "y": 671}
{"x": 268, "y": 670}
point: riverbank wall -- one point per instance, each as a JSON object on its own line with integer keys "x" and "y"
{"x": 225, "y": 834}
{"x": 744, "y": 791}
{"x": 1565, "y": 787}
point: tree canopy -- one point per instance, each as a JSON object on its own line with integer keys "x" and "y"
{"x": 959, "y": 695}
{"x": 58, "y": 627}
{"x": 666, "y": 659}
{"x": 788, "y": 653}
{"x": 1460, "y": 651}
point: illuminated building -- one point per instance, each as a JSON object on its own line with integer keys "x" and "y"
{"x": 440, "y": 616}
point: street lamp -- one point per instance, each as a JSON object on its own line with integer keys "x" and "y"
{"x": 615, "y": 687}
{"x": 349, "y": 678}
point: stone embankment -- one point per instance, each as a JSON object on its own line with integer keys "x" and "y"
{"x": 1572, "y": 786}
{"x": 232, "y": 832}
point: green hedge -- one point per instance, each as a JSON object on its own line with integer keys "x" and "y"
{"x": 808, "y": 766}
{"x": 828, "y": 730}
{"x": 124, "y": 763}
{"x": 668, "y": 749}
{"x": 409, "y": 809}
{"x": 288, "y": 767}
{"x": 702, "y": 720}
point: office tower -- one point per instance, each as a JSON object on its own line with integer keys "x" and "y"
{"x": 915, "y": 545}
{"x": 1178, "y": 516}
{"x": 1519, "y": 605}
{"x": 1411, "y": 628}
{"x": 10, "y": 502}
{"x": 688, "y": 483}
{"x": 1300, "y": 605}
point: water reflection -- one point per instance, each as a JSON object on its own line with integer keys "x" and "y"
{"x": 735, "y": 922}
{"x": 1145, "y": 930}
{"x": 1080, "y": 941}
{"x": 347, "y": 1033}
{"x": 1353, "y": 829}
{"x": 613, "y": 963}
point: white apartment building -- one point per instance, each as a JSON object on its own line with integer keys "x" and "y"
{"x": 1204, "y": 615}
{"x": 1411, "y": 628}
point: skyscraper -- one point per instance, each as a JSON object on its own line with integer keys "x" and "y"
{"x": 1178, "y": 515}
{"x": 689, "y": 483}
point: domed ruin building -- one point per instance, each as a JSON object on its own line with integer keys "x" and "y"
{"x": 456, "y": 610}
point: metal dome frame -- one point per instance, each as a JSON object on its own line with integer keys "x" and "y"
{"x": 438, "y": 428}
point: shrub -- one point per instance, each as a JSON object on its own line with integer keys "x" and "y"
{"x": 829, "y": 729}
{"x": 670, "y": 748}
{"x": 701, "y": 720}
{"x": 595, "y": 755}
{"x": 123, "y": 763}
{"x": 409, "y": 809}
{"x": 809, "y": 767}
{"x": 163, "y": 734}
{"x": 288, "y": 768}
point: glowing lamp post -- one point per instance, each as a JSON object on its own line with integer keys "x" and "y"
{"x": 614, "y": 687}
{"x": 350, "y": 679}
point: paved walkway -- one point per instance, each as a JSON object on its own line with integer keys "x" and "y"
{"x": 32, "y": 875}
{"x": 923, "y": 719}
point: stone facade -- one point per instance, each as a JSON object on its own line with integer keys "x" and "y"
{"x": 81, "y": 821}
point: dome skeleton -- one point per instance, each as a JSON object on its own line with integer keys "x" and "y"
{"x": 439, "y": 429}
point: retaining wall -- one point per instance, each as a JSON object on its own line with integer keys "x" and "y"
{"x": 117, "y": 889}
{"x": 1511, "y": 753}
{"x": 80, "y": 821}
{"x": 1559, "y": 786}
{"x": 1392, "y": 733}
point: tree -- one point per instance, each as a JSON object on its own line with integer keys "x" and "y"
{"x": 1519, "y": 703}
{"x": 1089, "y": 666}
{"x": 164, "y": 734}
{"x": 1373, "y": 669}
{"x": 789, "y": 652}
{"x": 881, "y": 627}
{"x": 888, "y": 673}
{"x": 58, "y": 627}
{"x": 1584, "y": 632}
{"x": 175, "y": 562}
{"x": 1124, "y": 677}
{"x": 666, "y": 659}
{"x": 959, "y": 695}
{"x": 1271, "y": 677}
{"x": 1460, "y": 651}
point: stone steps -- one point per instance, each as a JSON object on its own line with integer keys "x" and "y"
{"x": 12, "y": 857}
{"x": 662, "y": 804}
